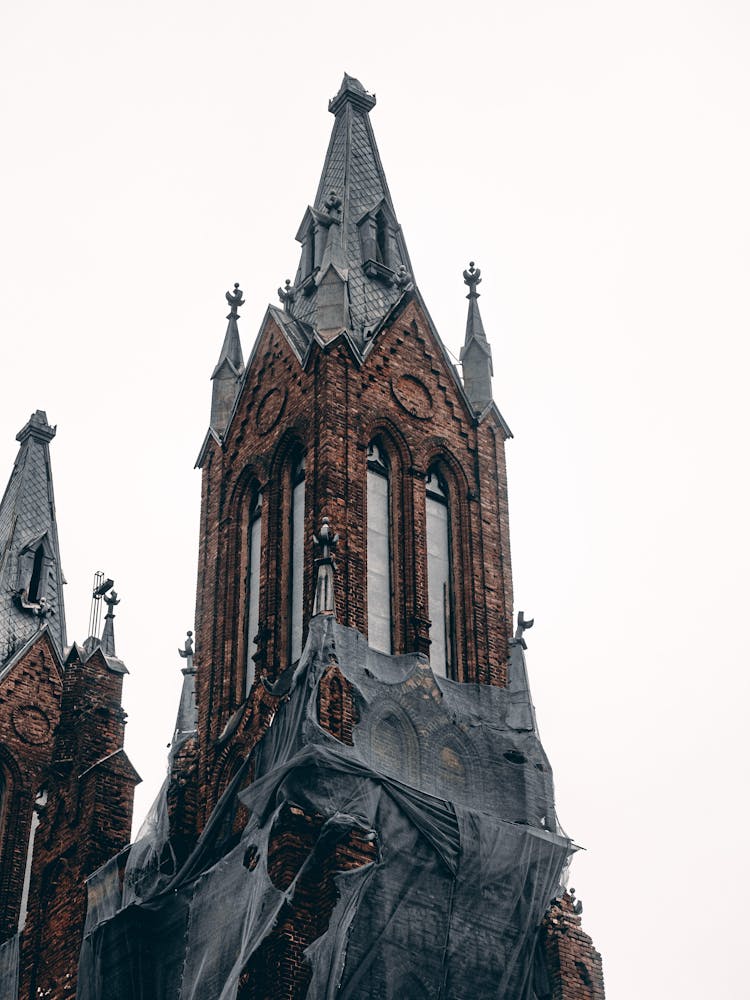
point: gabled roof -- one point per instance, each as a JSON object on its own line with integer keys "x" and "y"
{"x": 21, "y": 651}
{"x": 27, "y": 518}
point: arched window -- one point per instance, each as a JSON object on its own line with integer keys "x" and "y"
{"x": 297, "y": 559}
{"x": 379, "y": 613}
{"x": 439, "y": 577}
{"x": 253, "y": 588}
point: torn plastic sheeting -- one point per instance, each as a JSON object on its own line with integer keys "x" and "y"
{"x": 455, "y": 899}
{"x": 9, "y": 956}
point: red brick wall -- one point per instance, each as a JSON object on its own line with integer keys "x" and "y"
{"x": 61, "y": 732}
{"x": 574, "y": 965}
{"x": 405, "y": 395}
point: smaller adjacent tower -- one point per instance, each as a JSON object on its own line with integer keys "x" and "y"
{"x": 31, "y": 577}
{"x": 476, "y": 355}
{"x": 66, "y": 784}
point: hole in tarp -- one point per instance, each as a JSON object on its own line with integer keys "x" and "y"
{"x": 514, "y": 757}
{"x": 250, "y": 860}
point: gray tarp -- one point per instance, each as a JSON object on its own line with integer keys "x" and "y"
{"x": 449, "y": 778}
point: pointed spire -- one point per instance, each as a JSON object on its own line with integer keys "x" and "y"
{"x": 187, "y": 714}
{"x": 229, "y": 367}
{"x": 354, "y": 265}
{"x": 476, "y": 355}
{"x": 108, "y": 635}
{"x": 31, "y": 579}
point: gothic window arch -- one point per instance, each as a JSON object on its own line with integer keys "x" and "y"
{"x": 394, "y": 743}
{"x": 441, "y": 588}
{"x": 252, "y": 609}
{"x": 379, "y": 549}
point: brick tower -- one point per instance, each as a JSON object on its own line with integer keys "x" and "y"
{"x": 66, "y": 785}
{"x": 358, "y": 804}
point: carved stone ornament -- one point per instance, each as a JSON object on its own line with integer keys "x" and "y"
{"x": 412, "y": 396}
{"x": 31, "y": 724}
{"x": 270, "y": 409}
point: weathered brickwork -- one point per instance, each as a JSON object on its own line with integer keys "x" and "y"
{"x": 61, "y": 732}
{"x": 278, "y": 970}
{"x": 574, "y": 965}
{"x": 352, "y": 361}
{"x": 404, "y": 396}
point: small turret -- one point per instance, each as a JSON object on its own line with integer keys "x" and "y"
{"x": 108, "y": 635}
{"x": 229, "y": 368}
{"x": 187, "y": 714}
{"x": 476, "y": 355}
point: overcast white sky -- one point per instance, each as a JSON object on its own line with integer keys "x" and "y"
{"x": 593, "y": 158}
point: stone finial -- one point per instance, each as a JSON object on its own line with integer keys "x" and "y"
{"x": 235, "y": 300}
{"x": 287, "y": 294}
{"x": 523, "y": 624}
{"x": 576, "y": 903}
{"x": 187, "y": 713}
{"x": 403, "y": 276}
{"x": 332, "y": 205}
{"x": 187, "y": 652}
{"x": 472, "y": 278}
{"x": 476, "y": 355}
{"x": 108, "y": 635}
{"x": 326, "y": 540}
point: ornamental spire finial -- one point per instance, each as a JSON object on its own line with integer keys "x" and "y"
{"x": 472, "y": 278}
{"x": 326, "y": 540}
{"x": 235, "y": 300}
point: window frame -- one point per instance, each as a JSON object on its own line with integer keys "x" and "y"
{"x": 380, "y": 465}
{"x": 442, "y": 496}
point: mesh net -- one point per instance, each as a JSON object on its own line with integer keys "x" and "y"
{"x": 450, "y": 784}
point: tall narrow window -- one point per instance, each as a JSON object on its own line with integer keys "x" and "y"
{"x": 39, "y": 803}
{"x": 379, "y": 617}
{"x": 439, "y": 585}
{"x": 297, "y": 560}
{"x": 253, "y": 590}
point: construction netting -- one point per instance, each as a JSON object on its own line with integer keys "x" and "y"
{"x": 447, "y": 781}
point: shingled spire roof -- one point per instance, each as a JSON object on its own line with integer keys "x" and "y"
{"x": 226, "y": 375}
{"x": 31, "y": 579}
{"x": 354, "y": 265}
{"x": 476, "y": 354}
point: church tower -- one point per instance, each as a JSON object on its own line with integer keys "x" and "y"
{"x": 66, "y": 785}
{"x": 358, "y": 805}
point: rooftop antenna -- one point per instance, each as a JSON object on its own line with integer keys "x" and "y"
{"x": 101, "y": 586}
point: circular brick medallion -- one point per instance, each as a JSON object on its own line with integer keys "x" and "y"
{"x": 31, "y": 724}
{"x": 413, "y": 396}
{"x": 270, "y": 409}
